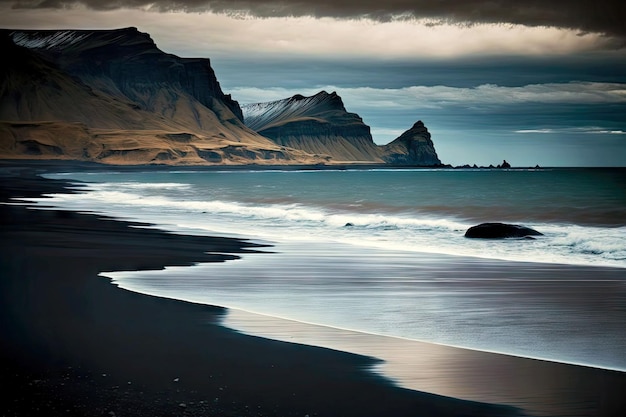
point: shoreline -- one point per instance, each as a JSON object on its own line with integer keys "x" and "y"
{"x": 51, "y": 269}
{"x": 469, "y": 373}
{"x": 212, "y": 284}
{"x": 239, "y": 315}
{"x": 452, "y": 371}
{"x": 74, "y": 344}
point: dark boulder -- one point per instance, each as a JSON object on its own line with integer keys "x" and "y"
{"x": 500, "y": 231}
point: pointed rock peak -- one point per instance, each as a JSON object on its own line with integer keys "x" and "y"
{"x": 298, "y": 97}
{"x": 418, "y": 129}
{"x": 417, "y": 132}
{"x": 413, "y": 147}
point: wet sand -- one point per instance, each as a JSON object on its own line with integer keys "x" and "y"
{"x": 73, "y": 344}
{"x": 539, "y": 387}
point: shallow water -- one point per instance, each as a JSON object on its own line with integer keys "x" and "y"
{"x": 545, "y": 311}
{"x": 382, "y": 304}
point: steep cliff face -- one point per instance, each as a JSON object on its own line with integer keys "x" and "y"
{"x": 321, "y": 125}
{"x": 34, "y": 89}
{"x": 113, "y": 97}
{"x": 413, "y": 147}
{"x": 318, "y": 124}
{"x": 127, "y": 63}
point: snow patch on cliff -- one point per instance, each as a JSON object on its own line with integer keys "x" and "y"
{"x": 50, "y": 40}
{"x": 259, "y": 116}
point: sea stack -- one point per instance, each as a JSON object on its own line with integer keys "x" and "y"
{"x": 413, "y": 147}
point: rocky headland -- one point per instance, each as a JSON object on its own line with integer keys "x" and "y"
{"x": 113, "y": 97}
{"x": 318, "y": 124}
{"x": 413, "y": 147}
{"x": 321, "y": 125}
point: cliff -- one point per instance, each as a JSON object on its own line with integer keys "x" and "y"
{"x": 413, "y": 147}
{"x": 127, "y": 63}
{"x": 321, "y": 125}
{"x": 318, "y": 124}
{"x": 112, "y": 96}
{"x": 34, "y": 89}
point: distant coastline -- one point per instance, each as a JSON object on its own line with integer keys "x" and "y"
{"x": 55, "y": 165}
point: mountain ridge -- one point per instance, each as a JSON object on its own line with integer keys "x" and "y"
{"x": 112, "y": 96}
{"x": 320, "y": 124}
{"x": 138, "y": 62}
{"x": 128, "y": 97}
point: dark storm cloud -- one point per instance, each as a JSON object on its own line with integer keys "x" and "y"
{"x": 603, "y": 16}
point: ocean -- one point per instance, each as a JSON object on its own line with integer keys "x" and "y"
{"x": 382, "y": 252}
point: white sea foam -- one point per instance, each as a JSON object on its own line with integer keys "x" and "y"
{"x": 157, "y": 186}
{"x": 151, "y": 202}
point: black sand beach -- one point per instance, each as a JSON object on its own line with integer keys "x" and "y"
{"x": 73, "y": 344}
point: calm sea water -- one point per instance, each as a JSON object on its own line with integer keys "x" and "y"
{"x": 401, "y": 267}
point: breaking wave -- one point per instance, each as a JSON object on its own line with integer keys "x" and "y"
{"x": 158, "y": 203}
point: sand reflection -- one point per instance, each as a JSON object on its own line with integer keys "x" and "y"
{"x": 538, "y": 387}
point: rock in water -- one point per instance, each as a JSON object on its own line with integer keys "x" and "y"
{"x": 500, "y": 231}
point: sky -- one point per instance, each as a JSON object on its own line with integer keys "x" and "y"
{"x": 530, "y": 81}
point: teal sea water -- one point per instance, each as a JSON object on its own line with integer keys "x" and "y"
{"x": 382, "y": 251}
{"x": 583, "y": 212}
